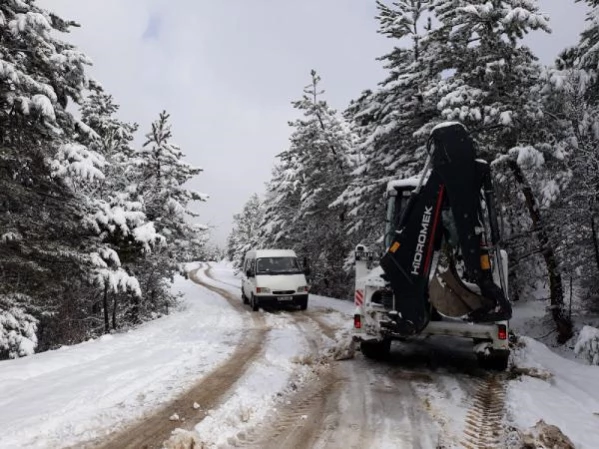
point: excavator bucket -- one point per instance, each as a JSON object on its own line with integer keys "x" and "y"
{"x": 452, "y": 298}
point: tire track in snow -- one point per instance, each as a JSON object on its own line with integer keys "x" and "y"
{"x": 209, "y": 392}
{"x": 210, "y": 275}
{"x": 484, "y": 422}
{"x": 309, "y": 398}
{"x": 298, "y": 423}
{"x": 353, "y": 405}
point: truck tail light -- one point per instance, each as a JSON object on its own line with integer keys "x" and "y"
{"x": 502, "y": 331}
{"x": 358, "y": 321}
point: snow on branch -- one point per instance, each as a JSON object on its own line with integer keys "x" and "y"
{"x": 120, "y": 217}
{"x": 43, "y": 106}
{"x": 30, "y": 22}
{"x": 76, "y": 161}
{"x": 118, "y": 281}
{"x": 9, "y": 72}
{"x": 97, "y": 260}
{"x": 17, "y": 327}
{"x": 478, "y": 10}
{"x": 198, "y": 196}
{"x": 527, "y": 157}
{"x": 10, "y": 237}
{"x": 103, "y": 257}
{"x": 147, "y": 235}
{"x": 519, "y": 15}
{"x": 587, "y": 345}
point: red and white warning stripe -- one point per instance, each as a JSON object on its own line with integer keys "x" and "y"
{"x": 359, "y": 299}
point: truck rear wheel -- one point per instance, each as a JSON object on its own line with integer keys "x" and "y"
{"x": 245, "y": 298}
{"x": 375, "y": 349}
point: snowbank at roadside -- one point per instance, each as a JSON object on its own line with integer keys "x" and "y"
{"x": 568, "y": 400}
{"x": 73, "y": 394}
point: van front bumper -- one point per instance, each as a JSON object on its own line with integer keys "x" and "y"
{"x": 286, "y": 300}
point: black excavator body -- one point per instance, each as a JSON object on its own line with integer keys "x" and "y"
{"x": 460, "y": 186}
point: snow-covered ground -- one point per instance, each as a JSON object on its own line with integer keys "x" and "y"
{"x": 257, "y": 392}
{"x": 74, "y": 394}
{"x": 286, "y": 363}
{"x": 61, "y": 397}
{"x": 225, "y": 273}
{"x": 569, "y": 399}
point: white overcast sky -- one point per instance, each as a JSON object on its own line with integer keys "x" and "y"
{"x": 227, "y": 71}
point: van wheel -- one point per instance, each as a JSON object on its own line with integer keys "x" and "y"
{"x": 376, "y": 350}
{"x": 254, "y": 304}
{"x": 304, "y": 305}
{"x": 245, "y": 298}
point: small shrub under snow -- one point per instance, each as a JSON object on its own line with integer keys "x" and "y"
{"x": 587, "y": 345}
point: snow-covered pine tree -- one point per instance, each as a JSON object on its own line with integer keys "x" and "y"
{"x": 280, "y": 205}
{"x": 246, "y": 230}
{"x": 44, "y": 250}
{"x": 385, "y": 120}
{"x": 571, "y": 100}
{"x": 585, "y": 55}
{"x": 493, "y": 88}
{"x": 162, "y": 177}
{"x": 115, "y": 211}
{"x": 313, "y": 173}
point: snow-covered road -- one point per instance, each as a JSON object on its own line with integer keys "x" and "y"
{"x": 62, "y": 397}
{"x": 221, "y": 376}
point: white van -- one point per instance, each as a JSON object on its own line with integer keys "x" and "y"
{"x": 274, "y": 277}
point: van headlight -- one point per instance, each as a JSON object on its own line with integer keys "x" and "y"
{"x": 303, "y": 289}
{"x": 262, "y": 290}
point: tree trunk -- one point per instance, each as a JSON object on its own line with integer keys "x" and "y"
{"x": 595, "y": 243}
{"x": 114, "y": 304}
{"x": 106, "y": 319}
{"x": 134, "y": 314}
{"x": 556, "y": 291}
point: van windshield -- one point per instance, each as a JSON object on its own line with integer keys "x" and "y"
{"x": 277, "y": 265}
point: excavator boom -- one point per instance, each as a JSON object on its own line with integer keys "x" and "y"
{"x": 460, "y": 187}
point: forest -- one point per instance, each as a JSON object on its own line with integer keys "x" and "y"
{"x": 452, "y": 60}
{"x": 92, "y": 228}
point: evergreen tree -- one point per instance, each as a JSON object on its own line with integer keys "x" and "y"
{"x": 44, "y": 250}
{"x": 246, "y": 231}
{"x": 313, "y": 173}
{"x": 386, "y": 120}
{"x": 462, "y": 60}
{"x": 281, "y": 203}
{"x": 571, "y": 100}
{"x": 162, "y": 175}
{"x": 494, "y": 91}
{"x": 115, "y": 215}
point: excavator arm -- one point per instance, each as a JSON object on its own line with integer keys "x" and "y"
{"x": 458, "y": 186}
